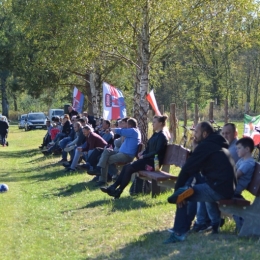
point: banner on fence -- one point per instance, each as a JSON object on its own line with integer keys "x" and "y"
{"x": 151, "y": 99}
{"x": 78, "y": 100}
{"x": 250, "y": 124}
{"x": 113, "y": 102}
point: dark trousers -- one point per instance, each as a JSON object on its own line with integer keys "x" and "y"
{"x": 127, "y": 171}
{"x": 95, "y": 156}
{"x": 185, "y": 215}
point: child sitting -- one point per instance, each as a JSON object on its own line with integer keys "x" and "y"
{"x": 245, "y": 167}
{"x": 54, "y": 131}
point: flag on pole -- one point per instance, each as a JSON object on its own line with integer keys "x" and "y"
{"x": 250, "y": 123}
{"x": 113, "y": 102}
{"x": 151, "y": 99}
{"x": 78, "y": 100}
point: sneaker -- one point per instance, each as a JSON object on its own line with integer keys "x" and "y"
{"x": 70, "y": 169}
{"x": 95, "y": 179}
{"x": 66, "y": 164}
{"x": 215, "y": 228}
{"x": 171, "y": 230}
{"x": 100, "y": 184}
{"x": 95, "y": 171}
{"x": 174, "y": 238}
{"x": 199, "y": 228}
{"x": 109, "y": 189}
{"x": 180, "y": 195}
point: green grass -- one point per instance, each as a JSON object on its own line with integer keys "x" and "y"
{"x": 50, "y": 214}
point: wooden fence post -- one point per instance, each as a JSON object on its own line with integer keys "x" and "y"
{"x": 196, "y": 116}
{"x": 185, "y": 113}
{"x": 173, "y": 122}
{"x": 226, "y": 111}
{"x": 211, "y": 106}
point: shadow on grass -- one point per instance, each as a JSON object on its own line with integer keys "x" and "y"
{"x": 18, "y": 154}
{"x": 148, "y": 246}
{"x": 76, "y": 188}
{"x": 122, "y": 204}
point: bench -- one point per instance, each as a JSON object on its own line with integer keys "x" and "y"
{"x": 175, "y": 155}
{"x": 250, "y": 212}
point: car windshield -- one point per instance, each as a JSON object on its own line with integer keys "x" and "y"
{"x": 58, "y": 113}
{"x": 36, "y": 117}
{"x": 23, "y": 117}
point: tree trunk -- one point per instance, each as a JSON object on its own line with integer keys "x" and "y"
{"x": 93, "y": 93}
{"x": 144, "y": 82}
{"x": 89, "y": 95}
{"x": 137, "y": 98}
{"x": 15, "y": 102}
{"x": 5, "y": 105}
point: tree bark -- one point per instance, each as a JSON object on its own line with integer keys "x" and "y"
{"x": 144, "y": 82}
{"x": 5, "y": 105}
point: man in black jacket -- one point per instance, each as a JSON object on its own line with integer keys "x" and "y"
{"x": 3, "y": 131}
{"x": 212, "y": 158}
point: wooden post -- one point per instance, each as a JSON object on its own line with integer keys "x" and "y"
{"x": 173, "y": 122}
{"x": 196, "y": 116}
{"x": 226, "y": 111}
{"x": 162, "y": 109}
{"x": 185, "y": 113}
{"x": 211, "y": 106}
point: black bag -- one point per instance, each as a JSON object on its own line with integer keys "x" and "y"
{"x": 140, "y": 186}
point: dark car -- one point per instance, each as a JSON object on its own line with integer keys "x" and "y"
{"x": 35, "y": 121}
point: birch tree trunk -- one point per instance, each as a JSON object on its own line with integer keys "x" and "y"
{"x": 93, "y": 93}
{"x": 96, "y": 92}
{"x": 144, "y": 81}
{"x": 89, "y": 94}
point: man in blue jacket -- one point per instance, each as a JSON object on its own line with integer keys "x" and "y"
{"x": 127, "y": 150}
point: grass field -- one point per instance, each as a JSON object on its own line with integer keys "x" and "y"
{"x": 50, "y": 214}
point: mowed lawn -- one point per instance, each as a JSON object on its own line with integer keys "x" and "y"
{"x": 51, "y": 214}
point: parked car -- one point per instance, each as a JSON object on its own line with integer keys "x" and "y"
{"x": 21, "y": 121}
{"x": 55, "y": 112}
{"x": 35, "y": 121}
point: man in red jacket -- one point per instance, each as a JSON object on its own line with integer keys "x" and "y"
{"x": 93, "y": 141}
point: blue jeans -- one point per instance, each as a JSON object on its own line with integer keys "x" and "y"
{"x": 3, "y": 138}
{"x": 203, "y": 193}
{"x": 184, "y": 217}
{"x": 62, "y": 144}
{"x": 77, "y": 156}
{"x": 58, "y": 137}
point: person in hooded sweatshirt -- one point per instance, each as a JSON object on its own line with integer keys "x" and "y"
{"x": 212, "y": 158}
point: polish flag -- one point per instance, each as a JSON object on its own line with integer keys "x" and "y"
{"x": 151, "y": 99}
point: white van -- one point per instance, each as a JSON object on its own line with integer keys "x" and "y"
{"x": 55, "y": 112}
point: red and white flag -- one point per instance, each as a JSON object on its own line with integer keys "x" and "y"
{"x": 151, "y": 99}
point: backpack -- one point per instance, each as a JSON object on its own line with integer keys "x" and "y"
{"x": 140, "y": 186}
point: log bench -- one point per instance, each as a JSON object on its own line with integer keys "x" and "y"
{"x": 175, "y": 155}
{"x": 250, "y": 212}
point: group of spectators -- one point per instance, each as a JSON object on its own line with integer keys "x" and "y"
{"x": 219, "y": 166}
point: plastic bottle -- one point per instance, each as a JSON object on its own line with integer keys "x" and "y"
{"x": 156, "y": 163}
